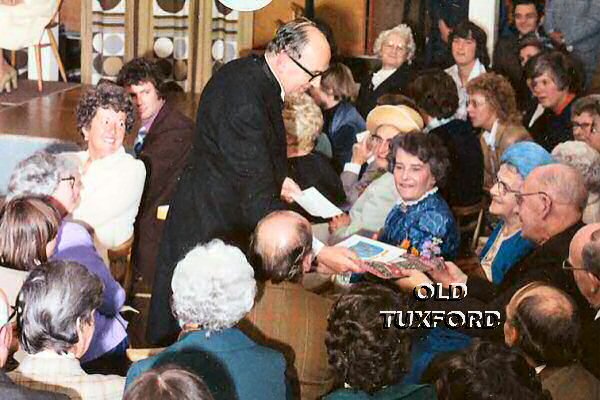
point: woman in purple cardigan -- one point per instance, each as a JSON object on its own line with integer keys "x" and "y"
{"x": 57, "y": 177}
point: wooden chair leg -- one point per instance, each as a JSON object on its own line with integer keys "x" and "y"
{"x": 477, "y": 230}
{"x": 13, "y": 58}
{"x": 54, "y": 47}
{"x": 38, "y": 62}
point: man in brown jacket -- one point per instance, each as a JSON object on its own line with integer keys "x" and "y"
{"x": 285, "y": 316}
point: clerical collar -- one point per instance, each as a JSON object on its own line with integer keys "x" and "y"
{"x": 282, "y": 94}
{"x": 539, "y": 368}
{"x": 436, "y": 123}
{"x": 597, "y": 315}
{"x": 403, "y": 203}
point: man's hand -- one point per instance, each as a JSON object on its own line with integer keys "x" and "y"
{"x": 448, "y": 274}
{"x": 288, "y": 189}
{"x": 557, "y": 38}
{"x": 338, "y": 222}
{"x": 334, "y": 260}
{"x": 411, "y": 279}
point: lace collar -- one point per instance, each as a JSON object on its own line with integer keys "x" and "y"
{"x": 405, "y": 204}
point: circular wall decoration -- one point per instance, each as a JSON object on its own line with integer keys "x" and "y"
{"x": 97, "y": 43}
{"x": 245, "y": 5}
{"x": 218, "y": 49}
{"x": 163, "y": 47}
{"x": 180, "y": 48}
{"x": 180, "y": 70}
{"x": 223, "y": 9}
{"x": 108, "y": 4}
{"x": 114, "y": 45}
{"x": 171, "y": 6}
{"x": 112, "y": 65}
{"x": 165, "y": 67}
{"x": 97, "y": 64}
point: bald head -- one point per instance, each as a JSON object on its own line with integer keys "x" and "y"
{"x": 563, "y": 183}
{"x": 584, "y": 252}
{"x": 546, "y": 322}
{"x": 281, "y": 246}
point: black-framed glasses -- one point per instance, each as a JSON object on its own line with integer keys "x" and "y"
{"x": 503, "y": 188}
{"x": 313, "y": 75}
{"x": 70, "y": 179}
{"x": 377, "y": 140}
{"x": 566, "y": 265}
{"x": 585, "y": 126}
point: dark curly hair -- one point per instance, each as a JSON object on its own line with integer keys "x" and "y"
{"x": 484, "y": 371}
{"x": 362, "y": 353}
{"x": 434, "y": 92}
{"x": 104, "y": 95}
{"x": 498, "y": 93}
{"x": 469, "y": 30}
{"x": 428, "y": 148}
{"x": 141, "y": 70}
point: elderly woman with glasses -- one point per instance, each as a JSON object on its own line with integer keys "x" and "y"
{"x": 396, "y": 50}
{"x": 57, "y": 177}
{"x": 586, "y": 160}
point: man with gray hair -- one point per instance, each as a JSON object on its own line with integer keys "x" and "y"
{"x": 281, "y": 252}
{"x": 584, "y": 261}
{"x": 237, "y": 171}
{"x": 55, "y": 314}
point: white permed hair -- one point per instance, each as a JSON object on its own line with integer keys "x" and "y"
{"x": 583, "y": 158}
{"x": 405, "y": 33}
{"x": 213, "y": 286}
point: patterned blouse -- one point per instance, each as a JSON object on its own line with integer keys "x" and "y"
{"x": 415, "y": 225}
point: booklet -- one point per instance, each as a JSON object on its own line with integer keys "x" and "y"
{"x": 316, "y": 204}
{"x": 372, "y": 250}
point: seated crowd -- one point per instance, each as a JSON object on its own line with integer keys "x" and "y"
{"x": 401, "y": 154}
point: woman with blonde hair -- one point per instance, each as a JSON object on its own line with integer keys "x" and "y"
{"x": 303, "y": 121}
{"x": 341, "y": 119}
{"x": 395, "y": 48}
{"x": 492, "y": 107}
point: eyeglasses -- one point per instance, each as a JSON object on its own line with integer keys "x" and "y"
{"x": 503, "y": 188}
{"x": 313, "y": 75}
{"x": 392, "y": 46}
{"x": 586, "y": 126}
{"x": 519, "y": 196}
{"x": 377, "y": 140}
{"x": 69, "y": 179}
{"x": 566, "y": 265}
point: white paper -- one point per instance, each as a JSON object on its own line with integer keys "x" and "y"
{"x": 360, "y": 136}
{"x": 316, "y": 204}
{"x": 372, "y": 250}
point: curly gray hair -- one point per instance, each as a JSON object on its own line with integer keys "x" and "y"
{"x": 40, "y": 174}
{"x": 405, "y": 33}
{"x": 213, "y": 286}
{"x": 583, "y": 158}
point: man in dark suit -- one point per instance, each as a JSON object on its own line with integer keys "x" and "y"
{"x": 236, "y": 173}
{"x": 584, "y": 260}
{"x": 163, "y": 143}
{"x": 543, "y": 322}
{"x": 551, "y": 202}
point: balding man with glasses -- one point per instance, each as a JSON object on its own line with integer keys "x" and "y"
{"x": 585, "y": 120}
{"x": 584, "y": 262}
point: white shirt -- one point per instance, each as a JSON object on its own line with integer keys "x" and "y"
{"x": 463, "y": 98}
{"x": 597, "y": 315}
{"x": 380, "y": 76}
{"x": 110, "y": 195}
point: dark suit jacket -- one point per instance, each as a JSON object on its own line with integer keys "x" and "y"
{"x": 367, "y": 97}
{"x": 590, "y": 345}
{"x": 345, "y": 124}
{"x": 232, "y": 179}
{"x": 551, "y": 129}
{"x": 543, "y": 264}
{"x": 12, "y": 391}
{"x": 232, "y": 365}
{"x": 166, "y": 148}
{"x": 465, "y": 180}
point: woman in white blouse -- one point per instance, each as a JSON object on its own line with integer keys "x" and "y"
{"x": 468, "y": 44}
{"x": 396, "y": 50}
{"x": 112, "y": 180}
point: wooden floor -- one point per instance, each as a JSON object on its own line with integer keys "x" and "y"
{"x": 53, "y": 116}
